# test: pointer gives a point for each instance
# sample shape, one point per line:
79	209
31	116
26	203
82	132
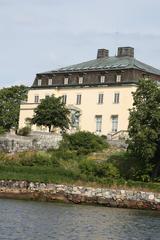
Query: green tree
144	129
10	99
52	112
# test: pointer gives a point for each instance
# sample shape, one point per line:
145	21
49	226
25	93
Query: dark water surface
27	220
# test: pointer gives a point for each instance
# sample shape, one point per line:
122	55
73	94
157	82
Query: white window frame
114	119
39	82
116	98
98	119
100	98
118	78
49	81
102	79
78	99
80	80
36	99
66	80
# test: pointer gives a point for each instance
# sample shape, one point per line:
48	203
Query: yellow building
98	92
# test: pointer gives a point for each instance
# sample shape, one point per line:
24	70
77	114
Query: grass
59	176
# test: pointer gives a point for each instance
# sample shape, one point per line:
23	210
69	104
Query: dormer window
118	78
39	82
50	81
66	80
102	79
80	81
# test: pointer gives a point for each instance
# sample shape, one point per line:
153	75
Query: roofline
85	70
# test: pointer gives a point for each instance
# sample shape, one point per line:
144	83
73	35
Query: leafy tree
10	99
144	129
52	112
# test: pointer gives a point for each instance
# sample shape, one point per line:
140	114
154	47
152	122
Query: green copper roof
109	63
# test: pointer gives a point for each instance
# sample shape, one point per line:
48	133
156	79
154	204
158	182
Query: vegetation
2	130
144	132
10	99
52	113
83	142
66	167
25	131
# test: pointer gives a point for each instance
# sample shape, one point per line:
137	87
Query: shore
80	195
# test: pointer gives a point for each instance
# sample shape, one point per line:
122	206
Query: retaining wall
35	141
80	195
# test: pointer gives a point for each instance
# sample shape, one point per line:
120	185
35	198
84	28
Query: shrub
98	170
83	142
2	130
25	131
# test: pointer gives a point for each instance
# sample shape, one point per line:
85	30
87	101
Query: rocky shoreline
79	195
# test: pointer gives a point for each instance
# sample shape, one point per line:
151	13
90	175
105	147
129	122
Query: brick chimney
102	53
125	52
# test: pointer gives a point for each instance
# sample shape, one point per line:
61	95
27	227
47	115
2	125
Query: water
27	220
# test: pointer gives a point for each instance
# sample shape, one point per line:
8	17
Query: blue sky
41	35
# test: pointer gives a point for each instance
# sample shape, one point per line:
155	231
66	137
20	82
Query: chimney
102	53
125	52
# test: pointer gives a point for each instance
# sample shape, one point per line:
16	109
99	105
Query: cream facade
103	110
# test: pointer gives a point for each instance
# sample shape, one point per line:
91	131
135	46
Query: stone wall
35	141
80	194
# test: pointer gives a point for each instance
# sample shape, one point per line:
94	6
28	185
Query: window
75	117
98	123
66	80
116	98
39	82
36	99
80	80
50	81
114	123
102	79
118	78
100	98
78	101
64	99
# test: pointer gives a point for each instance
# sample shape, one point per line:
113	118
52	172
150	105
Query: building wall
89	106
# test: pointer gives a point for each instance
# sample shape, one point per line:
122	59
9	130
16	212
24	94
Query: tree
144	129
10	99
52	112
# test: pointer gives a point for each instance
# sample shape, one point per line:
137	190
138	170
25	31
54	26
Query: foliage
2	130
53	167
25	131
83	142
144	130
10	99
52	112
100	170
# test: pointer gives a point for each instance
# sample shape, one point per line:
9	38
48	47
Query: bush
83	142
98	170
2	130
25	131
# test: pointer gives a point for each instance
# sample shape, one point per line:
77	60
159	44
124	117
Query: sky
42	35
